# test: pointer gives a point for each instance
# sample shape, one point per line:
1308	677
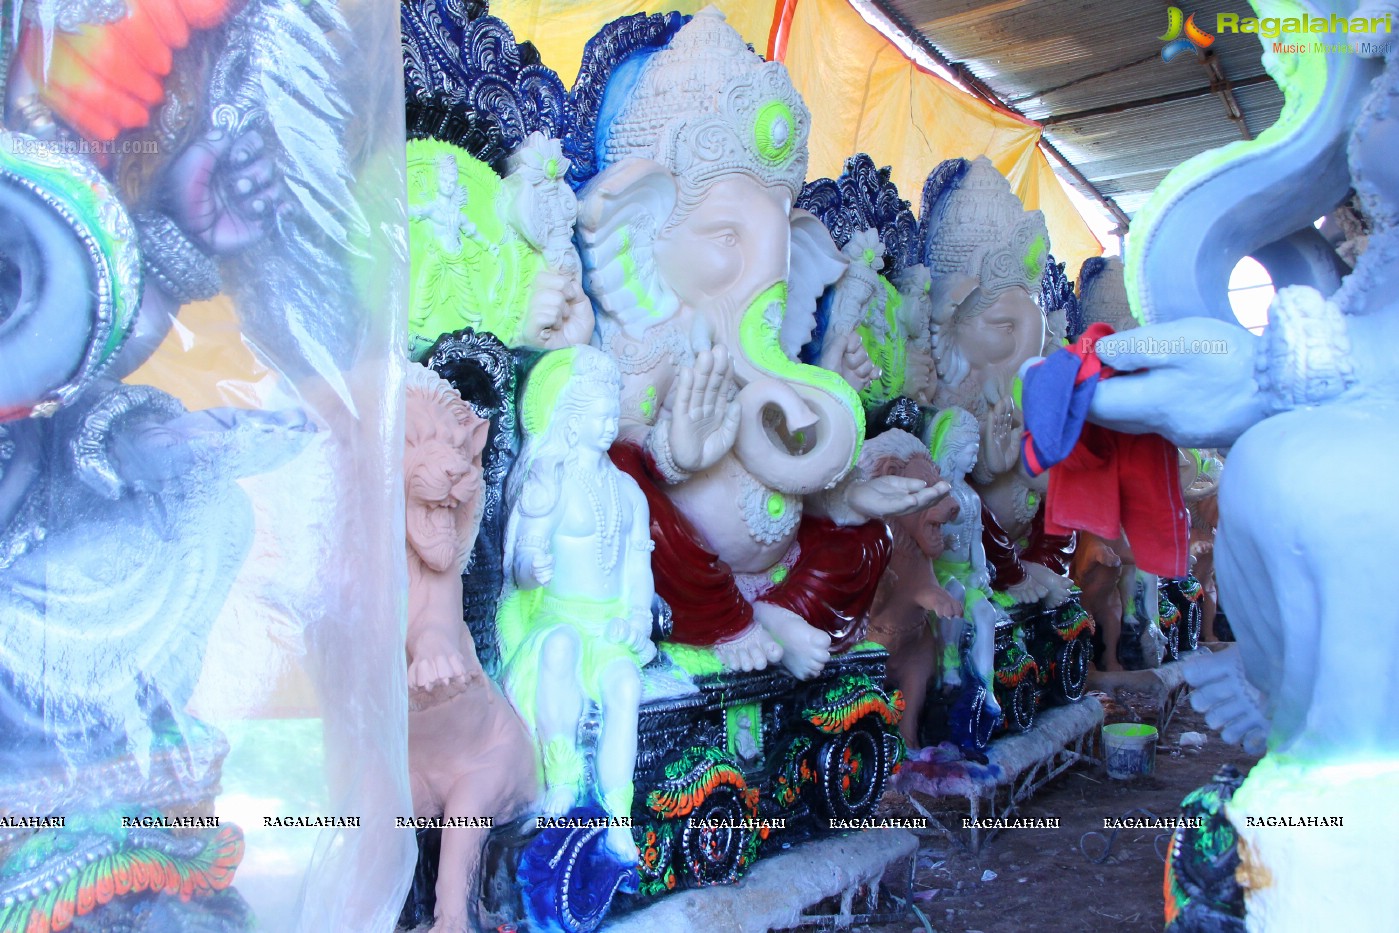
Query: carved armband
1304	356
658	446
532	543
179	266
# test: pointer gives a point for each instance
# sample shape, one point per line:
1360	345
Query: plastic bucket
1129	748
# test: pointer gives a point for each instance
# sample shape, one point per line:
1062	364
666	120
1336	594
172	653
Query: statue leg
1209	598
1306	569
1102	597
616	751
1304	565
983	653
558	708
459	865
910	670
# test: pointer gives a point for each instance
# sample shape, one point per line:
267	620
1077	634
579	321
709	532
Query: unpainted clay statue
961	568
987	254
1202	499
495	254
692	252
909	590
1313	676
575	625
470	757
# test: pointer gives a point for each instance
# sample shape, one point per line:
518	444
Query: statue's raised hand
225	191
889	496
1000	440
704	411
1189	380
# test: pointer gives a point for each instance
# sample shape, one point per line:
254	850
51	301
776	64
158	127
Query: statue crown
980	227
706	106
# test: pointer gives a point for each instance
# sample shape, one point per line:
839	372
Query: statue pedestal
780	889
1298	876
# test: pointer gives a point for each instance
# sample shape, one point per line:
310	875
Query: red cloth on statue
1115	484
833	582
705	604
831	585
1123	484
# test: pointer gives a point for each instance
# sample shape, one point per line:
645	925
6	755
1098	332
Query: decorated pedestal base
167	863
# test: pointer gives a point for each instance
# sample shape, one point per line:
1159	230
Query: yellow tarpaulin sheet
560	28
865	95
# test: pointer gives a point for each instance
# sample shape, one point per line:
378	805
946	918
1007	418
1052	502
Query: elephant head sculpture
987	256
705	280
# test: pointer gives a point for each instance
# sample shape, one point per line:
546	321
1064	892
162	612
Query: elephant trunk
801	426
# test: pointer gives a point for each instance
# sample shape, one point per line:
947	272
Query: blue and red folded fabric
1102	481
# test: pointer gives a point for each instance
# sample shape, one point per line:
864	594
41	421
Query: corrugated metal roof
1091	71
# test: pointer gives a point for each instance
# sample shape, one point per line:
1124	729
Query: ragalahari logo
1194	38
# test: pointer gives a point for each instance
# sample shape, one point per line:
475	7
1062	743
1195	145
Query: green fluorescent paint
758	336
772	145
488	282
776	505
631	280
1034	258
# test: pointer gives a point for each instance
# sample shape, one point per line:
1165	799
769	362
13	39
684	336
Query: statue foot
621	843
558	801
450	923
753	650
1230	703
805	650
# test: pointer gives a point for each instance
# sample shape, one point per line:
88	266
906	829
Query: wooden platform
833	883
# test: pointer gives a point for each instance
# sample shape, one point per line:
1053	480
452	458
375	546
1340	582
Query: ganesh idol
704	278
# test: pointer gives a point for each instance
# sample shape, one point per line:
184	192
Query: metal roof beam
1141	102
1220	84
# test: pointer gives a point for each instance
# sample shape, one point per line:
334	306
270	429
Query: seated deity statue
575	625
691	250
470	758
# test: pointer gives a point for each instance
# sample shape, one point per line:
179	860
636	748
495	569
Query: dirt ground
1070	880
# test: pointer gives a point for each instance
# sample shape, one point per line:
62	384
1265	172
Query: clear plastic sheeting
203	267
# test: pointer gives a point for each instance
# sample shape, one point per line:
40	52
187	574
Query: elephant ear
816	265
619	218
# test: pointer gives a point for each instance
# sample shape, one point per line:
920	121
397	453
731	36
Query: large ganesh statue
987	256
705	281
1312	679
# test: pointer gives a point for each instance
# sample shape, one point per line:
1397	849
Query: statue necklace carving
607	514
